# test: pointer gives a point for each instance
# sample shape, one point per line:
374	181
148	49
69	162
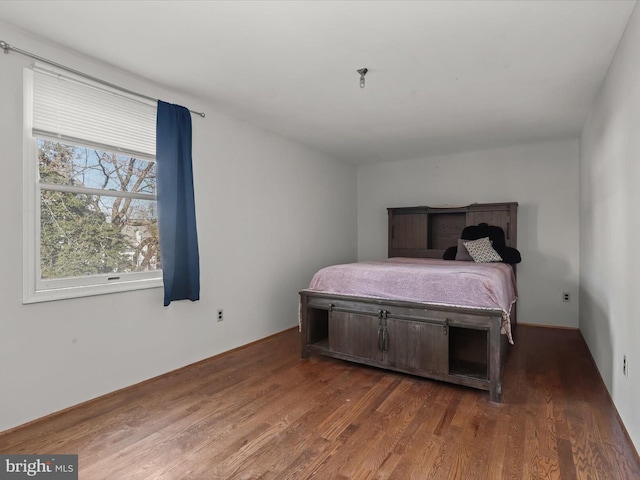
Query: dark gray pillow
462	253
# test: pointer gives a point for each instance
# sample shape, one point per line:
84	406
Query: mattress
481	286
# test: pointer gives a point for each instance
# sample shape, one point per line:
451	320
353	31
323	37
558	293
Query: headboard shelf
425	232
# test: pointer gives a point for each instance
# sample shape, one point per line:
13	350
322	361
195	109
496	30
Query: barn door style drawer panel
409	230
418	346
406	344
355	334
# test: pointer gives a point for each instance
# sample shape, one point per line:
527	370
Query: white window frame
35	289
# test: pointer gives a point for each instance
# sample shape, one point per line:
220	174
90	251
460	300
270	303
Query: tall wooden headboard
428	231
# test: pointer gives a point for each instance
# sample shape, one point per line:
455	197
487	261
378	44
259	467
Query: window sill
62	293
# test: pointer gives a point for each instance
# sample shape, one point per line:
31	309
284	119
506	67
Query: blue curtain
176	206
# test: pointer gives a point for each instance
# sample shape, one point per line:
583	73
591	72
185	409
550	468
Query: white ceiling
444	76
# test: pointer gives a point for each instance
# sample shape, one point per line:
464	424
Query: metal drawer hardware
382	330
353	311
432	321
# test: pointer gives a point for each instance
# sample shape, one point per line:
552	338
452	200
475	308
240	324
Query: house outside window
90	211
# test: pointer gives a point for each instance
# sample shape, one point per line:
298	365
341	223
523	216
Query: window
90	222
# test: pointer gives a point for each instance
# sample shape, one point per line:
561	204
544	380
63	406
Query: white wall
610	226
542	178
269	214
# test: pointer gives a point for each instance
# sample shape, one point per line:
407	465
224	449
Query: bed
418	314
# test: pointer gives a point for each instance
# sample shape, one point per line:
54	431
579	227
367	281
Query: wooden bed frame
456	345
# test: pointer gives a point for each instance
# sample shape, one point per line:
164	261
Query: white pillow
481	251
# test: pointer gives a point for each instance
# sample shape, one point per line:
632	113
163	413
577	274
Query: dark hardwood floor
262	412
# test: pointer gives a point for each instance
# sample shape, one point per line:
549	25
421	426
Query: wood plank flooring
261	412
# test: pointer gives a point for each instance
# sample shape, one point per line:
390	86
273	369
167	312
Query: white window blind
79	112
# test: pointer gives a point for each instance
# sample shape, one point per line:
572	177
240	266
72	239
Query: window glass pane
64	164
91	234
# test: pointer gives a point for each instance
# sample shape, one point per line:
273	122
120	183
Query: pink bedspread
484	286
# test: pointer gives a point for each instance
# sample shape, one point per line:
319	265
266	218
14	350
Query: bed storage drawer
355	335
412	346
381	335
418	346
456	345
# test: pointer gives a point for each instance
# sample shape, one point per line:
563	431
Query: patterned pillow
481	251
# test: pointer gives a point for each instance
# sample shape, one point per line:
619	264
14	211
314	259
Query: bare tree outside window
105	222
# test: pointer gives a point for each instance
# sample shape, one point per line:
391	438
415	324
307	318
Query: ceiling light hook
362	72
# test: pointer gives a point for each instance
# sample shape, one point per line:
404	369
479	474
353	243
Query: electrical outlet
220	316
625	369
566	297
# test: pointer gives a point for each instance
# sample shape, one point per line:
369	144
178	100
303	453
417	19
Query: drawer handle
382	338
382	330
